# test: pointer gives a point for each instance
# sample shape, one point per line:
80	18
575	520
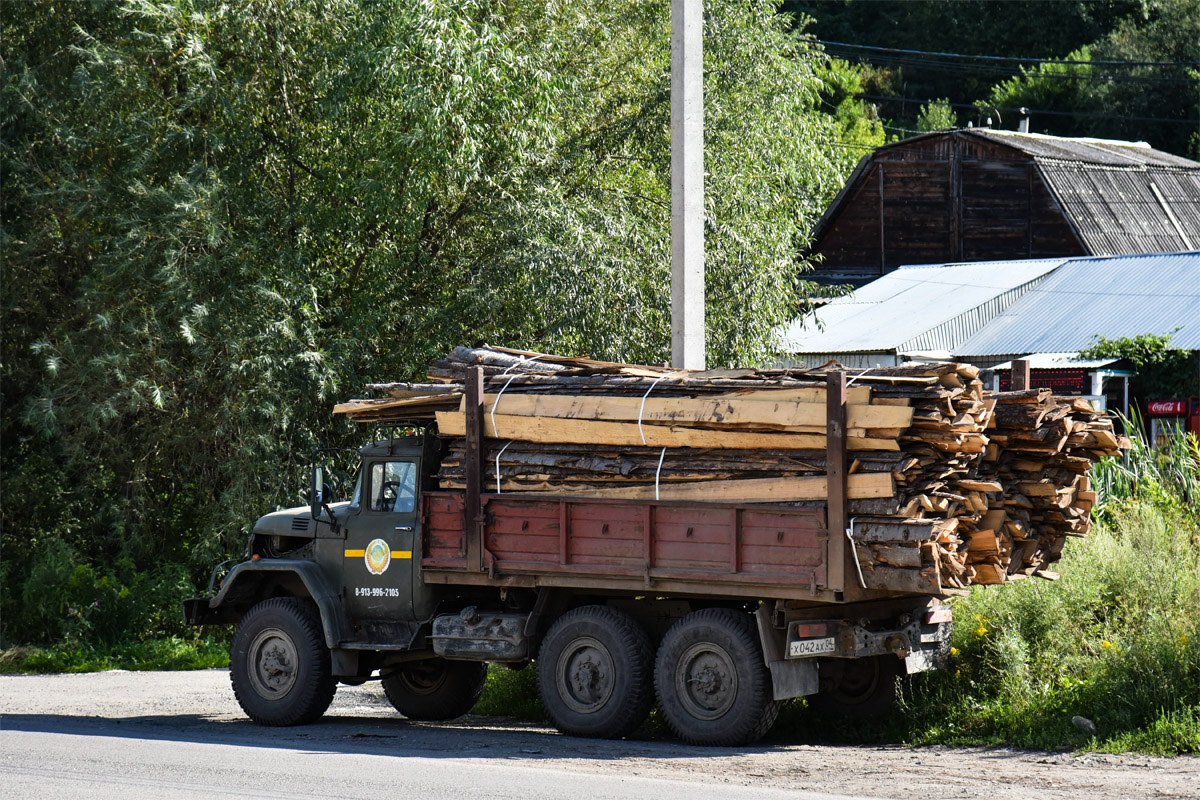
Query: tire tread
315	693
758	711
631	639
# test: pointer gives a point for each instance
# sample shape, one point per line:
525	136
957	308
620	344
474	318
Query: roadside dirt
199	706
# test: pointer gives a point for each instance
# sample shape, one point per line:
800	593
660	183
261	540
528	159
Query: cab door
377	566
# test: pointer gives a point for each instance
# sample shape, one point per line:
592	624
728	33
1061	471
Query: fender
252	581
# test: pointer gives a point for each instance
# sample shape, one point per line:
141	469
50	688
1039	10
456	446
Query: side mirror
318	492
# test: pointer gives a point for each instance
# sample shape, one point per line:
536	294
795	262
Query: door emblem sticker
377	556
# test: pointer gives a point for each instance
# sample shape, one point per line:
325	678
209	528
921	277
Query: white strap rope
643	408
854	549
496	432
511	367
502	449
850	382
658	471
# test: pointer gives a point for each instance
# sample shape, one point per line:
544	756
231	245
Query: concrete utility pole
687	184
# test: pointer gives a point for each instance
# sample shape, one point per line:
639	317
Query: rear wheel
279	665
712	683
435	689
594	673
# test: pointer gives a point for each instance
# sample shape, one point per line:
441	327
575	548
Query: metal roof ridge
1016	292
1115	256
1133	166
1079	139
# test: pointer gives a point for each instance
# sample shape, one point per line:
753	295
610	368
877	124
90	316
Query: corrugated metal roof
1122	296
1118	211
1111	152
928	307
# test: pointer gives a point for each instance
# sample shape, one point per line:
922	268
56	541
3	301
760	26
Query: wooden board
753	490
778	413
548	430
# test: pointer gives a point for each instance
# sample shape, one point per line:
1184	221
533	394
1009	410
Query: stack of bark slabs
929	484
1040	452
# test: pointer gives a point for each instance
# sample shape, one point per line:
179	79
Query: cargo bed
712	549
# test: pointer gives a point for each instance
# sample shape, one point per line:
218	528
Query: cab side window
394	486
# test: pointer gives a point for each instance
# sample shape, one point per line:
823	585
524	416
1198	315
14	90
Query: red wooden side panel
692	538
442	529
606	535
772	542
527	532
633	543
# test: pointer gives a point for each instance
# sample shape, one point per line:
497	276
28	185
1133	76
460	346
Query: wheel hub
709	681
273	663
706	681
585	675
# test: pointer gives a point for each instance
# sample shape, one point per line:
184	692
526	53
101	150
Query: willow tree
220	218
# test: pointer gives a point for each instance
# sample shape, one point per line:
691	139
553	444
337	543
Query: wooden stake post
473	507
1020	375
835	477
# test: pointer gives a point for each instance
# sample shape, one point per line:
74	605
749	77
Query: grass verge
1115	642
171	654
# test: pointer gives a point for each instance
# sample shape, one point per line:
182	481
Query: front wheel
435	689
712	683
279	665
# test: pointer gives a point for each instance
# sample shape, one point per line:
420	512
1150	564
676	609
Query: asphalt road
181	735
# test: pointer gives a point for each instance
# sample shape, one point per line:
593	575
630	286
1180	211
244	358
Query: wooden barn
986	195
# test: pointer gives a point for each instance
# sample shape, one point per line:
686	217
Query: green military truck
716	612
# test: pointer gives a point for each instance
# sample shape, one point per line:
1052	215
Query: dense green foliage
218	219
1163	372
1150	103
1116	640
1157	103
937	116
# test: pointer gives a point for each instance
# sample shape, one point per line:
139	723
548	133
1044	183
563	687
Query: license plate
812	647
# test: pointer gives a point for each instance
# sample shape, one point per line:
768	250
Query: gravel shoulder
199	707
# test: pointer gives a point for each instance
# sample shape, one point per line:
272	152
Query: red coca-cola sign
1166	408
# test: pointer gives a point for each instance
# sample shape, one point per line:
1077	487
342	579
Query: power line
1046	111
1014	59
988	70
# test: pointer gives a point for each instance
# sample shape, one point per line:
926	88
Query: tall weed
1168	476
1116	640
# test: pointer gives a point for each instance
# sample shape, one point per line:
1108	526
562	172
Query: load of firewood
948	485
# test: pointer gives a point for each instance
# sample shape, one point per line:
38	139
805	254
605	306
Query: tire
860	688
713	685
594	673
435	689
279	665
